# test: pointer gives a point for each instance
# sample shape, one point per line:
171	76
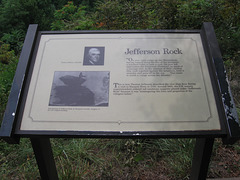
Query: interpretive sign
162	83
120	82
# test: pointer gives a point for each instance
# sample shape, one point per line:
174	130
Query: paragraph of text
158	67
134	88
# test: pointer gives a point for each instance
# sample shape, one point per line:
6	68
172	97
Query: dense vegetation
124	155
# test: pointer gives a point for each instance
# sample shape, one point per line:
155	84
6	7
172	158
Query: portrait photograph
93	56
80	88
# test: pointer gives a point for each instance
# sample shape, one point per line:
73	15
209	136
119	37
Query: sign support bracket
201	158
44	156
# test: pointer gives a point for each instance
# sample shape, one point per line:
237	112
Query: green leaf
138	158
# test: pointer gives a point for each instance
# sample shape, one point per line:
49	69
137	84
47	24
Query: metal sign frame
10	129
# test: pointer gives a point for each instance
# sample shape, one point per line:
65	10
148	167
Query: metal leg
201	158
44	156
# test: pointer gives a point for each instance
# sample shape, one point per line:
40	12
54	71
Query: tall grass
99	158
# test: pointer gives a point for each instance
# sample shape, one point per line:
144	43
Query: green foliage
15	39
58	4
90	4
157	14
134	152
10	14
8	63
162	14
193	14
228	34
71	17
121	15
18	14
6	55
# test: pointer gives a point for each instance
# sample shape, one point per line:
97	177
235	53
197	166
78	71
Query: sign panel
120	82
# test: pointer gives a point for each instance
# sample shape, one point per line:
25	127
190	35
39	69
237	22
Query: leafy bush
124	15
18	14
8	63
14	39
71	17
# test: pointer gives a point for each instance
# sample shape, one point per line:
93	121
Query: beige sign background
145	82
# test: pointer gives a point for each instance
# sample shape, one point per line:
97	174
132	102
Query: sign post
144	84
201	158
44	156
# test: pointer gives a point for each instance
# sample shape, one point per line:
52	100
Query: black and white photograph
80	88
93	56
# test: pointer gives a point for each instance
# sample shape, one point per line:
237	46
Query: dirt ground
225	163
